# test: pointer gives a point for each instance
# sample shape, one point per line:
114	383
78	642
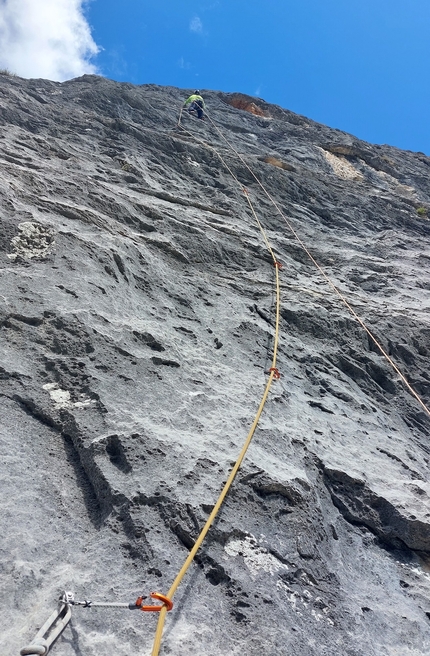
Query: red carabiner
276	373
168	603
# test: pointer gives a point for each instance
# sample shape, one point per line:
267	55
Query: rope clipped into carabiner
274	374
57	622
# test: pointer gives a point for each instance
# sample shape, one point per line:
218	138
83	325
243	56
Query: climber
196	104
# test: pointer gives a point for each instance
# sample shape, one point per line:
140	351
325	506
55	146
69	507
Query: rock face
136	314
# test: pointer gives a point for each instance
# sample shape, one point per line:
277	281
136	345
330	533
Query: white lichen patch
193	162
341	167
303	602
62	398
34	240
320	617
256	558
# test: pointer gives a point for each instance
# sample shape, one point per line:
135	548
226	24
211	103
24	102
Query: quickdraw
57	622
276	373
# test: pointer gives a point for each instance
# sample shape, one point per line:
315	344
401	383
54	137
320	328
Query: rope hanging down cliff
59	619
273	374
273	371
320	269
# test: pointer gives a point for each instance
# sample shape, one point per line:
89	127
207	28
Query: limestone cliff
136	315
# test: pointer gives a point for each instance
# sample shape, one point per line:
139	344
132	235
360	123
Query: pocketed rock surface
136	315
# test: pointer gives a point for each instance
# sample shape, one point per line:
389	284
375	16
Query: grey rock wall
136	316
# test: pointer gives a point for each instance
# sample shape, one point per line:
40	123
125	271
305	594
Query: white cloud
196	25
45	38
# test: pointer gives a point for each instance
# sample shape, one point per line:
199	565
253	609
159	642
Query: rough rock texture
136	316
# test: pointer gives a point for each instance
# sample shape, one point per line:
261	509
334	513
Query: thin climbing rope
273	375
273	371
56	623
324	274
311	257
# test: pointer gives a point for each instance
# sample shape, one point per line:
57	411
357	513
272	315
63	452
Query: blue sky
359	65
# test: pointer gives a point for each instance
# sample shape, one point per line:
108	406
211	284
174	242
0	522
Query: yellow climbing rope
273	374
273	370
324	274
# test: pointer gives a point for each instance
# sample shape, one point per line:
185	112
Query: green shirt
192	98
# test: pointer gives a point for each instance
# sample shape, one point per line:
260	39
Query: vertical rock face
136	316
